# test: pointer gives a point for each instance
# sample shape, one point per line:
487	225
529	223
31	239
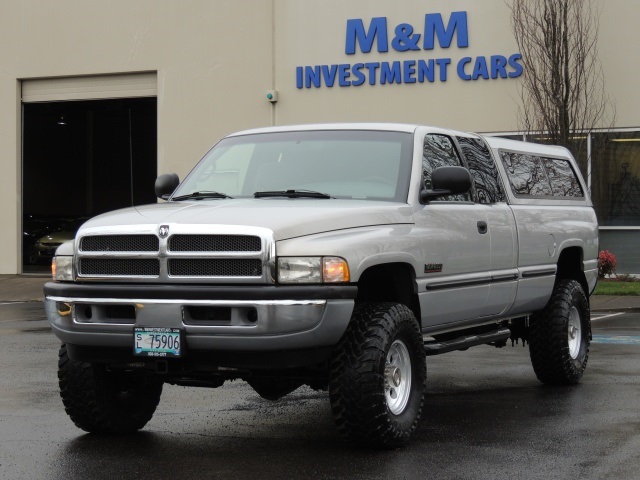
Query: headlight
62	269
312	270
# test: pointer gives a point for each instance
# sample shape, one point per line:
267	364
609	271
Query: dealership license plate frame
145	338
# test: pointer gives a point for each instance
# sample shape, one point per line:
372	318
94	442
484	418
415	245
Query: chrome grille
120	243
193	254
215	267
214	243
120	267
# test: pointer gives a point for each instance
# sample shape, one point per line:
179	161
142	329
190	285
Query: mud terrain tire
560	335
100	401
378	375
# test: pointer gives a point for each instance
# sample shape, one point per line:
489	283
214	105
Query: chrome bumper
248	325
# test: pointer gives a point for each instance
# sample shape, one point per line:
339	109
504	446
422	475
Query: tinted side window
562	178
530	175
526	174
483	169
438	151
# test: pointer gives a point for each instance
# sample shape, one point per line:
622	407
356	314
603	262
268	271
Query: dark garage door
80	159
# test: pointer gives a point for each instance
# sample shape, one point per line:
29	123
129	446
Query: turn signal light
335	269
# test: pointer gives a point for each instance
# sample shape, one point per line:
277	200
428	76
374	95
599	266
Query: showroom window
615	179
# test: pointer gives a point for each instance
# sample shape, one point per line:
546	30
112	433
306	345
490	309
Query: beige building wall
619	44
313	33
216	59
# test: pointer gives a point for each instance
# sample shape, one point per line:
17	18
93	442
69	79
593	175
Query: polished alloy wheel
397	377
574	332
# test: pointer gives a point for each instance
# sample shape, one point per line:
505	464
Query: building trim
94	87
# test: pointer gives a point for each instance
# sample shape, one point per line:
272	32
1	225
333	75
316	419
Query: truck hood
286	218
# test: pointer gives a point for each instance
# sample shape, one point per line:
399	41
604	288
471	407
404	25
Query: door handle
482	227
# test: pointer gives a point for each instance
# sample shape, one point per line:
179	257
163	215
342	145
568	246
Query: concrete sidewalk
28	288
22	288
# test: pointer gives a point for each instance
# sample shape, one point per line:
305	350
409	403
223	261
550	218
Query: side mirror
447	181
166	184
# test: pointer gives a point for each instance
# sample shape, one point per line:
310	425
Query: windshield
338	164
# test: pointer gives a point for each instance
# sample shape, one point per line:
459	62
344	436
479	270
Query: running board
435	348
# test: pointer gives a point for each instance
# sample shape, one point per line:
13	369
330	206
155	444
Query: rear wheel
378	376
101	401
559	335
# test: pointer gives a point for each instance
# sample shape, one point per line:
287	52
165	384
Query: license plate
157	342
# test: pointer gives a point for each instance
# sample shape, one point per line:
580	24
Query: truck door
501	227
456	247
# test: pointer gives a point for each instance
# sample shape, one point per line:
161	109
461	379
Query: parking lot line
600	316
617	339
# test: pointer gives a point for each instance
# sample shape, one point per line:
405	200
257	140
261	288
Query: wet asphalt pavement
486	417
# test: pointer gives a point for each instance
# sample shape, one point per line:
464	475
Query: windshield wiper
292	194
201	195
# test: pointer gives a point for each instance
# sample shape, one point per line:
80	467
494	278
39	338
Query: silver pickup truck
336	256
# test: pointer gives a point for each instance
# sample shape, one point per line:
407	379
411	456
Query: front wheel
378	375
100	401
560	335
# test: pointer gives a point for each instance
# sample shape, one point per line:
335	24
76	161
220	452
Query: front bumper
213	318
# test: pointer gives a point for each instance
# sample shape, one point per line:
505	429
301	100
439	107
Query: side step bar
435	348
